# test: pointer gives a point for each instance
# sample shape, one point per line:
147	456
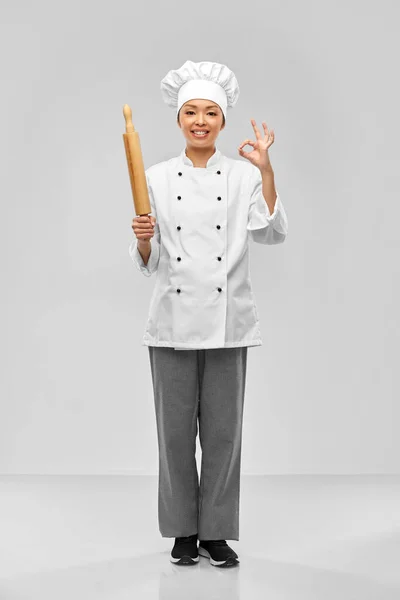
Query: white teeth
200	132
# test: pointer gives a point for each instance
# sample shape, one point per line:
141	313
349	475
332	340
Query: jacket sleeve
152	263
263	227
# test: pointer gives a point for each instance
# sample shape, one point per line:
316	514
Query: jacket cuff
262	218
152	263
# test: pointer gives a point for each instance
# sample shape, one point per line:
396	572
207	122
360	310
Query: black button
178	290
219	172
179	258
178	227
179	197
218	226
179	173
219	258
219	289
219	198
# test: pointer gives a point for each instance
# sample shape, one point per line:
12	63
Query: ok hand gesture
259	156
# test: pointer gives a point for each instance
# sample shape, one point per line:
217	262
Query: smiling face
201	115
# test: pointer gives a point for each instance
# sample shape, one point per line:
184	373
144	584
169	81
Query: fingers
144	221
269	135
250	142
144	235
258	134
242	152
143	227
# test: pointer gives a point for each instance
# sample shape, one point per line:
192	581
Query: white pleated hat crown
207	80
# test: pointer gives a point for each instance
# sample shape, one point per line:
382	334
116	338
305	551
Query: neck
199	156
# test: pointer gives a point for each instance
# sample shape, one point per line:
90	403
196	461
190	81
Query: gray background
322	392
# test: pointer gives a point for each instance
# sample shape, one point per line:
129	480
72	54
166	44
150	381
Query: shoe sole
184	560
229	562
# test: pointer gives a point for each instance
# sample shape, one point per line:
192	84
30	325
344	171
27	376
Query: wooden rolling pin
136	170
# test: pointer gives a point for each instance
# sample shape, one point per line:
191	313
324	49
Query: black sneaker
185	550
219	553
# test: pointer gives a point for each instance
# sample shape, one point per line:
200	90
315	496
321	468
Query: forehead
199	104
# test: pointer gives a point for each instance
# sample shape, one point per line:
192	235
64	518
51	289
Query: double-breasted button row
179	258
180	198
179	291
180	174
179	228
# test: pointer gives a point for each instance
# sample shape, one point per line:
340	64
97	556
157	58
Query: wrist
267	170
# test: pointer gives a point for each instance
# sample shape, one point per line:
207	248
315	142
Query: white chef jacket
203	296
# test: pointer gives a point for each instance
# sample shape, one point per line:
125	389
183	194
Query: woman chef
205	207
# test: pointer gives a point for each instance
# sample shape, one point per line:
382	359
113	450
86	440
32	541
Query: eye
210	112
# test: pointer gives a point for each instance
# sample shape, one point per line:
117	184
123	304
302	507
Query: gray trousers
205	387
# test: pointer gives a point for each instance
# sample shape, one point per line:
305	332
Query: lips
200	136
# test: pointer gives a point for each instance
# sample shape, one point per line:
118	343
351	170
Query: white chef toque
205	80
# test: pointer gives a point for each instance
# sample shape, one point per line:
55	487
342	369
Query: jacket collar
212	161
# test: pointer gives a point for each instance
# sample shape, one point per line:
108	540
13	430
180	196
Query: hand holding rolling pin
143	227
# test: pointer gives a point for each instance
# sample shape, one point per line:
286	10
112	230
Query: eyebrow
209	106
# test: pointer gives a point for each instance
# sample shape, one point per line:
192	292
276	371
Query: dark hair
223	117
